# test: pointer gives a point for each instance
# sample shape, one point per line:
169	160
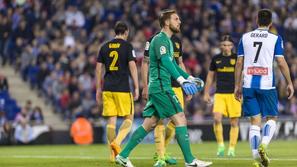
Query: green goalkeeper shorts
162	105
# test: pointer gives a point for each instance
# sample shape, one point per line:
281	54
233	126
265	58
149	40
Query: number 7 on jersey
258	50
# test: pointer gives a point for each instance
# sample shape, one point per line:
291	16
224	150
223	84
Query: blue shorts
257	101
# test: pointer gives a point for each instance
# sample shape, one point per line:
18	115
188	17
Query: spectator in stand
3	118
191	63
4	35
93	114
47	87
88	102
85	82
73	17
27	59
41	75
6	134
64	100
57	90
3	83
36	117
75	106
22	116
23	133
28	106
73	85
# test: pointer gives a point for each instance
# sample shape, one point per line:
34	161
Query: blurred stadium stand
52	45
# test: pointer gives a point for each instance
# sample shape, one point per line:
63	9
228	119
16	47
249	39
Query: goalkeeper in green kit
162	102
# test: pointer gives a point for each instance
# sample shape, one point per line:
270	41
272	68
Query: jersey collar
165	34
263	29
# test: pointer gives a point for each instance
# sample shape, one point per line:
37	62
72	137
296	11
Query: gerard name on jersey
258	35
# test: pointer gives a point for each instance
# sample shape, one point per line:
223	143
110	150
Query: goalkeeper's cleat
231	152
198	163
160	163
124	162
115	147
221	151
257	164
263	155
170	160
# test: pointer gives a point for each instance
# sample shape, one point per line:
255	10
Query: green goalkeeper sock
182	138
136	138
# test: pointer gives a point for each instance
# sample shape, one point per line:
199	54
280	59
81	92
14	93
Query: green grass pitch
282	153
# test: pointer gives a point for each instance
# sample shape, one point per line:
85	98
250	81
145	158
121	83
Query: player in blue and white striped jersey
257	51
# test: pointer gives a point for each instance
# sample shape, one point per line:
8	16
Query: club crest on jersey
257	71
162	50
232	61
177	45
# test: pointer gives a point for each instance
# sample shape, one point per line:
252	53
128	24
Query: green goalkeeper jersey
162	64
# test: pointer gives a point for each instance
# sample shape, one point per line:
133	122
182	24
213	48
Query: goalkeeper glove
188	86
199	82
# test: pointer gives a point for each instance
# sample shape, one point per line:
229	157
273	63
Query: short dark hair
165	15
264	17
226	38
120	28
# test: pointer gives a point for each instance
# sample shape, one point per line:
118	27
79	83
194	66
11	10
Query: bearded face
174	24
174	29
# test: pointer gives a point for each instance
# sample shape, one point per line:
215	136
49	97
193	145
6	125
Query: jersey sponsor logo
147	45
232	61
226	69
114	45
257	71
162	50
177	45
176	54
218	62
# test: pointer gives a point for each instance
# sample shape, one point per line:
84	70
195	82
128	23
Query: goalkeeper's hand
199	82
188	86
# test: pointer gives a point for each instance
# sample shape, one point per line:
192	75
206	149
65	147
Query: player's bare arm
133	71
144	75
283	66
99	67
209	81
238	75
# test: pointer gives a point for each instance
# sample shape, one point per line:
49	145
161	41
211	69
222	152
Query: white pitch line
136	158
48	157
